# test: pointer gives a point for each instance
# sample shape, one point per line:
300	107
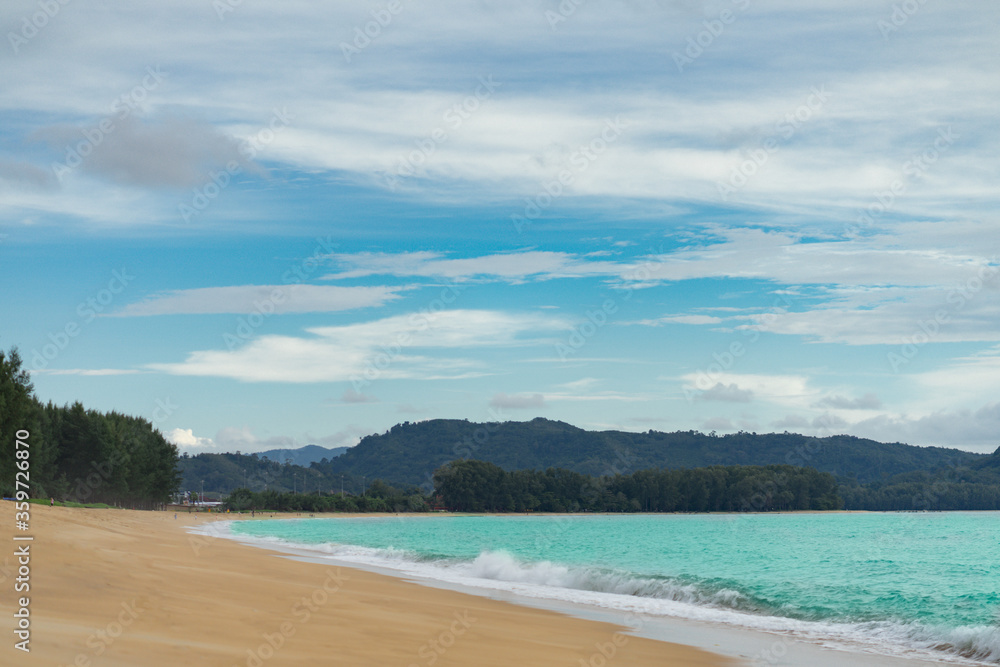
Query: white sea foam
500	571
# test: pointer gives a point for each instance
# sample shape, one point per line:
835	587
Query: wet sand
120	587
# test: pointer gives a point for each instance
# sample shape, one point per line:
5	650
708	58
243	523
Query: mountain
222	473
303	456
408	453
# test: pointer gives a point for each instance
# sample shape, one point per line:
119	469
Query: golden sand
119	587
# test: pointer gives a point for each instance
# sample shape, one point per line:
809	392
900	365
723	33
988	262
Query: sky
264	225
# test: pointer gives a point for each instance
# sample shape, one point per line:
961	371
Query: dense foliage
303	456
379	497
410	453
972	487
224	473
78	454
477	486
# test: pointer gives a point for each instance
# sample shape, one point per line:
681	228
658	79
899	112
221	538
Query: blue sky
259	226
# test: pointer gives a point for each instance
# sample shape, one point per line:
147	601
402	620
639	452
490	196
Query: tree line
973	487
478	486
81	455
379	497
409	453
224	473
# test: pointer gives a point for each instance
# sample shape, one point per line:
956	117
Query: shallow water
911	584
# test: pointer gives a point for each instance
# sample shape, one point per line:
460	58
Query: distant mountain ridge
871	475
408	453
303	456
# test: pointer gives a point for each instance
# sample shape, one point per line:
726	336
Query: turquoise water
901	583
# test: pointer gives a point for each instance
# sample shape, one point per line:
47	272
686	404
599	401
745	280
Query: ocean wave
502	566
661	596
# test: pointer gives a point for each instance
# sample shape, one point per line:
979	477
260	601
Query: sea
922	586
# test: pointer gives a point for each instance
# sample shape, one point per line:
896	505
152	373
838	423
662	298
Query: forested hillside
972	487
410	453
222	473
478	486
78	454
303	456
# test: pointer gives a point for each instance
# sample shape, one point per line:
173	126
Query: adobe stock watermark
436	647
203	196
264	308
31	25
565	9
579	161
299	614
913	169
453	119
901	13
87	311
771	655
605	652
552	532
365	35
468	446
598	318
103	638
703	40
784	130
223	7
927	330
122	108
423	320
723	361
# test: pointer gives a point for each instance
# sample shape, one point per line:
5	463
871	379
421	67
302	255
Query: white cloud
730	393
518	401
352	396
582	383
244	440
867	402
370	350
92	372
187	441
512	267
960	382
970	429
681	141
718	424
781	390
791	422
264	299
692	319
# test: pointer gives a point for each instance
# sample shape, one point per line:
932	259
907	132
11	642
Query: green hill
409	453
223	473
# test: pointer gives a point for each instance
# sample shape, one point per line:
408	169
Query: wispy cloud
730	393
511	267
867	402
87	372
518	401
779	390
268	299
341	353
352	396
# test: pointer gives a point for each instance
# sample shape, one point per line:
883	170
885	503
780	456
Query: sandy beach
119	587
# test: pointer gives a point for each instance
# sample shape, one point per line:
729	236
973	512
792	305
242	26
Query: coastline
743	645
124	588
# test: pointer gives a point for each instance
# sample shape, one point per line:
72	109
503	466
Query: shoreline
124	588
744	645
